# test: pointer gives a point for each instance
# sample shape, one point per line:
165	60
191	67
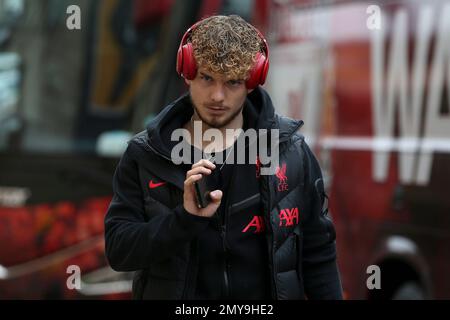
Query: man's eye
235	82
206	78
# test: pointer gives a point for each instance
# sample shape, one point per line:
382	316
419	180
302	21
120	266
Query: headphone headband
188	32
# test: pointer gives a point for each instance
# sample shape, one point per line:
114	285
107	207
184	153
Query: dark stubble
216	124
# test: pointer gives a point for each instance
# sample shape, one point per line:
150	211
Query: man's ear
188	82
249	91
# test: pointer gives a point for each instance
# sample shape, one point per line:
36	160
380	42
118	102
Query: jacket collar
259	111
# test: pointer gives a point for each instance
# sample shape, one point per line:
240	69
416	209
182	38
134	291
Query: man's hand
203	167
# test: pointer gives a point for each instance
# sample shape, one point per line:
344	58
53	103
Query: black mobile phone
204	187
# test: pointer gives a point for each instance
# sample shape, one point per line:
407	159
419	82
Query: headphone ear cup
179	65
189	65
265	71
258	73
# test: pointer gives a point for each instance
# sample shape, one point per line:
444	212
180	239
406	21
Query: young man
262	236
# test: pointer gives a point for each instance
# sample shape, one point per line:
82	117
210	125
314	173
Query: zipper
223	231
225	269
245	203
189	271
271	241
272	254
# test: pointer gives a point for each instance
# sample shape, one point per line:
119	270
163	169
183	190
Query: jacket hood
258	111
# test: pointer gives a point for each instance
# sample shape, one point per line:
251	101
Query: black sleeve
132	239
320	270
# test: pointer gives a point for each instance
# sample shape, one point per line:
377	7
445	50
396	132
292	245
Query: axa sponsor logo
256	225
289	217
282	178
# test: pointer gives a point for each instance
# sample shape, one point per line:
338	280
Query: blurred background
371	80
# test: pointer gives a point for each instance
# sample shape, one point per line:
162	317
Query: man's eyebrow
237	80
205	75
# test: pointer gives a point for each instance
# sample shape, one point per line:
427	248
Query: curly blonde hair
226	45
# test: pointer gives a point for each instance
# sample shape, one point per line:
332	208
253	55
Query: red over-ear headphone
187	67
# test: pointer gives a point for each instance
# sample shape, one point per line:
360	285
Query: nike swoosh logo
154	185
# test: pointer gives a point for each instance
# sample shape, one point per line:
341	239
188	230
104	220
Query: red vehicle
371	81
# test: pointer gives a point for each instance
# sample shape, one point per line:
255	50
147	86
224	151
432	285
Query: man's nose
218	94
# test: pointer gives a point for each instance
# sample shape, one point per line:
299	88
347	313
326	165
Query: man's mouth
214	109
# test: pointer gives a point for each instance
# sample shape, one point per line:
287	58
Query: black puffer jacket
147	229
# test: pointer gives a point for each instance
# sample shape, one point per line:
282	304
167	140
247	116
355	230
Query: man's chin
215	121
217	124
219	120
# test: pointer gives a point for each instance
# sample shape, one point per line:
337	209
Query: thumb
216	195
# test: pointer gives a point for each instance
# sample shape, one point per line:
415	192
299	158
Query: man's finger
198	170
204	163
189	181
